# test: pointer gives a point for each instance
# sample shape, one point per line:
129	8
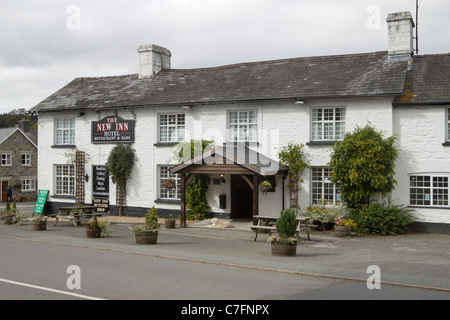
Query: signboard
112	129
100	179
40	201
101	205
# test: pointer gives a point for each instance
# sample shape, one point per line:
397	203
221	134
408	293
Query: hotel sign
112	129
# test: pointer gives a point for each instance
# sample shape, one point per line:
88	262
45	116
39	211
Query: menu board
40	201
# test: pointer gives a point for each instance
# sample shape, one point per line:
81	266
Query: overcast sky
44	44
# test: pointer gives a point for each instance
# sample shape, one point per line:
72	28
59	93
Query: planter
342	231
93	232
39	225
286	249
7	220
146	237
170	224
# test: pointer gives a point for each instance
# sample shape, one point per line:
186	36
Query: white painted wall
280	122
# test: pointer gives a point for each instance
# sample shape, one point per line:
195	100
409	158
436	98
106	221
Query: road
40	271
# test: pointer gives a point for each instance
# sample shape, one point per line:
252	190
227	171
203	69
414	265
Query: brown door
4	188
241	198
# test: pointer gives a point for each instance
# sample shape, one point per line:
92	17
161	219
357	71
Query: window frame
162	191
322	122
323	182
27	158
430	199
7	162
70	130
230	132
27	182
69	178
177	126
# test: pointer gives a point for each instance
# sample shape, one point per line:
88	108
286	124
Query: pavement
416	260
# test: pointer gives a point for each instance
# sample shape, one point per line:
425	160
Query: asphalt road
40	271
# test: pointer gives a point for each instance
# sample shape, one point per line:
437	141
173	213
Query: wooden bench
75	213
268	223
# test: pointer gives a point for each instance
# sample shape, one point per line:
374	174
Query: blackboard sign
112	129
101	205
40	201
100	186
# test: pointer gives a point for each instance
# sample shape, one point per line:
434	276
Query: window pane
163	119
317	131
242	117
233	117
252	117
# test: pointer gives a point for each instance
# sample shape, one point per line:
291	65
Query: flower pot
93	232
7	220
39	225
282	248
170	224
146	237
342	231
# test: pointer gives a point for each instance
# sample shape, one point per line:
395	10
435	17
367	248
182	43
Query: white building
311	101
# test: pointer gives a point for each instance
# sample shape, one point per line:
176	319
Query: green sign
40	201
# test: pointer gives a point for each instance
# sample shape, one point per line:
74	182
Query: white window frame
65	131
324	121
64	180
328	192
26	159
240	128
28	184
163	175
6	159
447	126
175	130
429	190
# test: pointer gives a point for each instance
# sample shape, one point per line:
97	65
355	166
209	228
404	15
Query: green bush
287	224
382	219
325	216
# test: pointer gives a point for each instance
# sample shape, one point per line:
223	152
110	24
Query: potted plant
39	223
93	229
148	233
170	223
285	242
343	227
265	186
8	214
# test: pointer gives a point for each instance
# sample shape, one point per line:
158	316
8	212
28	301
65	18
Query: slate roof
353	75
428	82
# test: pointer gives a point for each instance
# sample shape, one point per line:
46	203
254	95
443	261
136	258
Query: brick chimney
401	34
152	59
24	125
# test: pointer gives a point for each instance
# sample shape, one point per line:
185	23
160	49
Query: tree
120	165
362	165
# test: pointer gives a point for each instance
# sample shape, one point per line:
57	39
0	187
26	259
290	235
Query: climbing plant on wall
120	164
293	156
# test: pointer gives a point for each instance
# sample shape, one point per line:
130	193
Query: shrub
287	224
383	219
325	215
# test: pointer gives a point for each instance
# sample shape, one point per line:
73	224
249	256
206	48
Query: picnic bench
268	223
75	213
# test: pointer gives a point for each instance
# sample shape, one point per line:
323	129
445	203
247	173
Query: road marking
49	289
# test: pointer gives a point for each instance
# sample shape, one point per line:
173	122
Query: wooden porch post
183	201
255	195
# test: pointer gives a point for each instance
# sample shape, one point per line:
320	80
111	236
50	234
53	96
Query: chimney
24	125
152	59
401	34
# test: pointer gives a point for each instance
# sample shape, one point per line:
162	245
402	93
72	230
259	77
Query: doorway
4	185
241	198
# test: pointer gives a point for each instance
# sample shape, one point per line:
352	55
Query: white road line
49	289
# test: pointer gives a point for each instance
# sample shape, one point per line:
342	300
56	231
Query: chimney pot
152	59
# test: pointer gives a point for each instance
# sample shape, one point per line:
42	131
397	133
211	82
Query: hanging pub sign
112	129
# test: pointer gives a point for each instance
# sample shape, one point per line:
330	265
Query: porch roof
234	158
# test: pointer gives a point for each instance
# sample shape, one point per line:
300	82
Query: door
5	185
241	198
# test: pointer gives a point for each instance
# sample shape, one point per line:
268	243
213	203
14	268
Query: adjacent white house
258	107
